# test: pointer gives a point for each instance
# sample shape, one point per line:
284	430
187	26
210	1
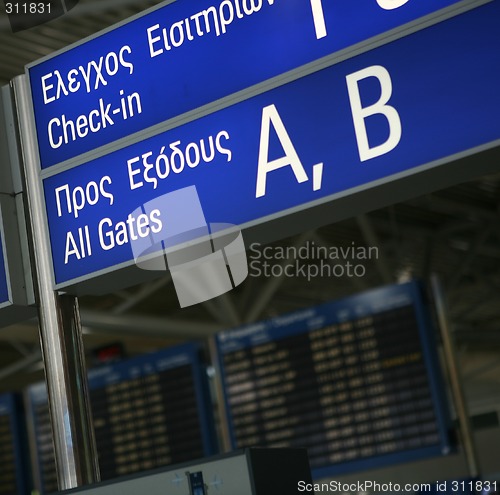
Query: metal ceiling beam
212	309
273	284
481	370
20	347
98	6
484	299
250	289
223	310
92	8
143	293
451	207
20	365
136	325
427	261
472	336
371	239
468	259
228	309
356	282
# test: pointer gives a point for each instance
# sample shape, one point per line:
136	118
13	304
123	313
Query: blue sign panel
13	447
369	392
16	296
186	54
370	118
4	287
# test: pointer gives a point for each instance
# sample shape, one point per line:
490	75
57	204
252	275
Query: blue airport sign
4	285
398	111
16	294
183	55
16	291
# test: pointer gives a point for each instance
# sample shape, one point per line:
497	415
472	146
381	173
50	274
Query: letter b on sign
25	15
380	107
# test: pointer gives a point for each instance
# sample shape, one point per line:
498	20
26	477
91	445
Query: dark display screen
12	463
148	412
354	381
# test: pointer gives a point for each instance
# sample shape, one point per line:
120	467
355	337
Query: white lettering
68	201
128	230
54	144
212	19
61	130
318	18
391	4
106	240
60	85
46	87
82	126
152	41
79	197
270	115
360	113
93	126
71	248
87	77
132	172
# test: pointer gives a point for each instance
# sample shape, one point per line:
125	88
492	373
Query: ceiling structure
454	233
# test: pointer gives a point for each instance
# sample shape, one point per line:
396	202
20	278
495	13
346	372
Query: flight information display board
355	381
13	474
148	412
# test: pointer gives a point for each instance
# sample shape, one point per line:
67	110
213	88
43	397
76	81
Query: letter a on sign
270	116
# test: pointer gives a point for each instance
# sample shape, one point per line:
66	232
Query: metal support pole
456	384
60	327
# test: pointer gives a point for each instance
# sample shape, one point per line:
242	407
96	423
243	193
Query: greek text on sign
186	54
